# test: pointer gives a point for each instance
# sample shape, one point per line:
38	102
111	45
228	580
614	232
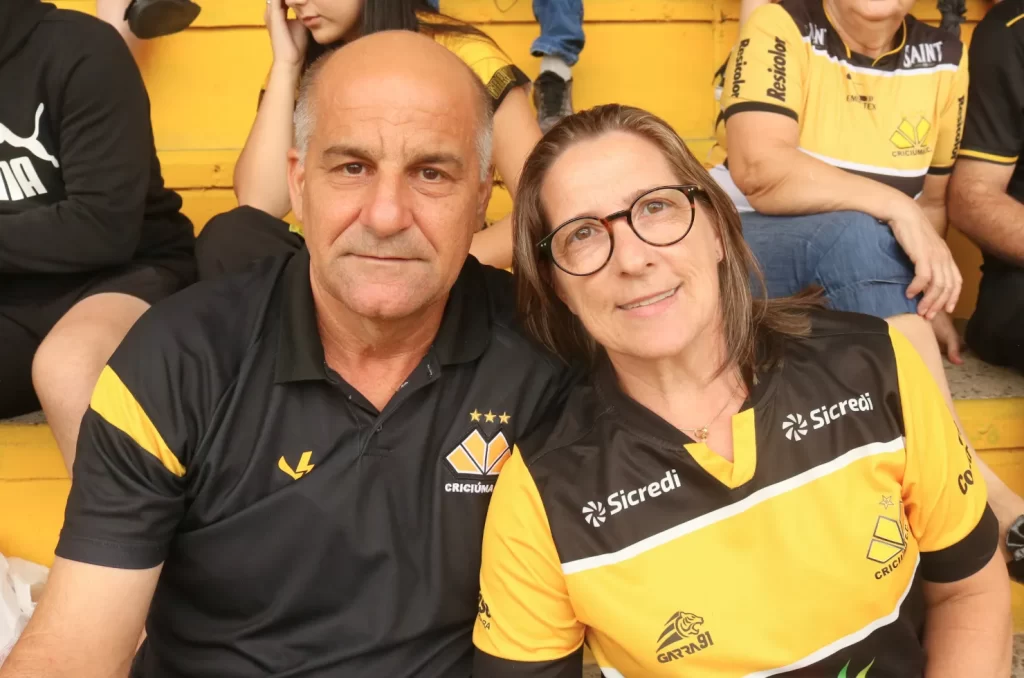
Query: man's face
390	192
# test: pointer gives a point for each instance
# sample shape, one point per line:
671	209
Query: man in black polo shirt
986	198
289	470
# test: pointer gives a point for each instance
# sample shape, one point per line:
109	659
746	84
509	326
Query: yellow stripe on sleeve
1014	20
991	157
114	402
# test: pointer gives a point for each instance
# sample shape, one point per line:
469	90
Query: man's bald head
399	60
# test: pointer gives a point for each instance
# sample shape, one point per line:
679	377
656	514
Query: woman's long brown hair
752	324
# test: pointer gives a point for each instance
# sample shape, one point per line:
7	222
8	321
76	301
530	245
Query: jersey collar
887	61
463	336
640	419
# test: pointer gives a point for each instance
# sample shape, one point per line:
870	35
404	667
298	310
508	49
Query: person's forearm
970	633
37	657
936	214
68	237
788	181
493	245
993	219
261	173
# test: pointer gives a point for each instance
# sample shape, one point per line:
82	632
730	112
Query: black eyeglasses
660	217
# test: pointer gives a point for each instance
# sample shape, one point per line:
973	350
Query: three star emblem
489	418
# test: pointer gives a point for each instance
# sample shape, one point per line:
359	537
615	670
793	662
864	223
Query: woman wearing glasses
744	487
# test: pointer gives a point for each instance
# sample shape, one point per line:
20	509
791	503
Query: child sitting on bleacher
256	228
89	236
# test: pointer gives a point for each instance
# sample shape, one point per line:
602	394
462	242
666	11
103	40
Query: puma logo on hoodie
80	182
18	176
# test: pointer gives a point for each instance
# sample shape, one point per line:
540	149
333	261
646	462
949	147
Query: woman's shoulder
842	342
826	324
556	446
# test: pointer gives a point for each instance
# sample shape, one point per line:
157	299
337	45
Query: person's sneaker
155	18
553	98
953	14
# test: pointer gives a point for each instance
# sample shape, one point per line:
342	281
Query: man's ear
296	181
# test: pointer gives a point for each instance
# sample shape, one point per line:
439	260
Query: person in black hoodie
89	235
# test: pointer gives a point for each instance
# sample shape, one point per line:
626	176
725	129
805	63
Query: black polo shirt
303	533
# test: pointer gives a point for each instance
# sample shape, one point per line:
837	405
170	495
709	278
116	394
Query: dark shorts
31	305
996	330
231	241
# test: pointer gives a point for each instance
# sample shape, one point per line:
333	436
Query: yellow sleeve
944	494
525	614
767	68
952	117
485	58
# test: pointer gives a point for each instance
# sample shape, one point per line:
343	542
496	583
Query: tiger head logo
680	625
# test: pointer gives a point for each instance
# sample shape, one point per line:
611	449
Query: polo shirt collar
300	353
463	336
465	330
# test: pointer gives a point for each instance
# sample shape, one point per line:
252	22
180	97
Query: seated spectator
89	236
987	188
696	501
286	472
843	120
256	229
891	85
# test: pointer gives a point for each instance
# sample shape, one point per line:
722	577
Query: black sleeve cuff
504	80
110	554
489	666
965	557
940	171
759	106
973	153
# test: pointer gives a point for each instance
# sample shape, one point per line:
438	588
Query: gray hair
304	119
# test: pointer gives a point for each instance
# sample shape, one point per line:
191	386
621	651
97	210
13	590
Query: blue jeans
853	256
561	28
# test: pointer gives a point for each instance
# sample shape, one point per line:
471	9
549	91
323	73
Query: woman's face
329	20
647	302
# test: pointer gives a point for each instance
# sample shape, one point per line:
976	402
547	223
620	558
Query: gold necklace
701	434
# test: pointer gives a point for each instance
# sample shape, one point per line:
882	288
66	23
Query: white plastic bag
21	582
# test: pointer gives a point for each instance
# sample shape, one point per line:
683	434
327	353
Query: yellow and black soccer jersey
893	119
995	117
850	488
